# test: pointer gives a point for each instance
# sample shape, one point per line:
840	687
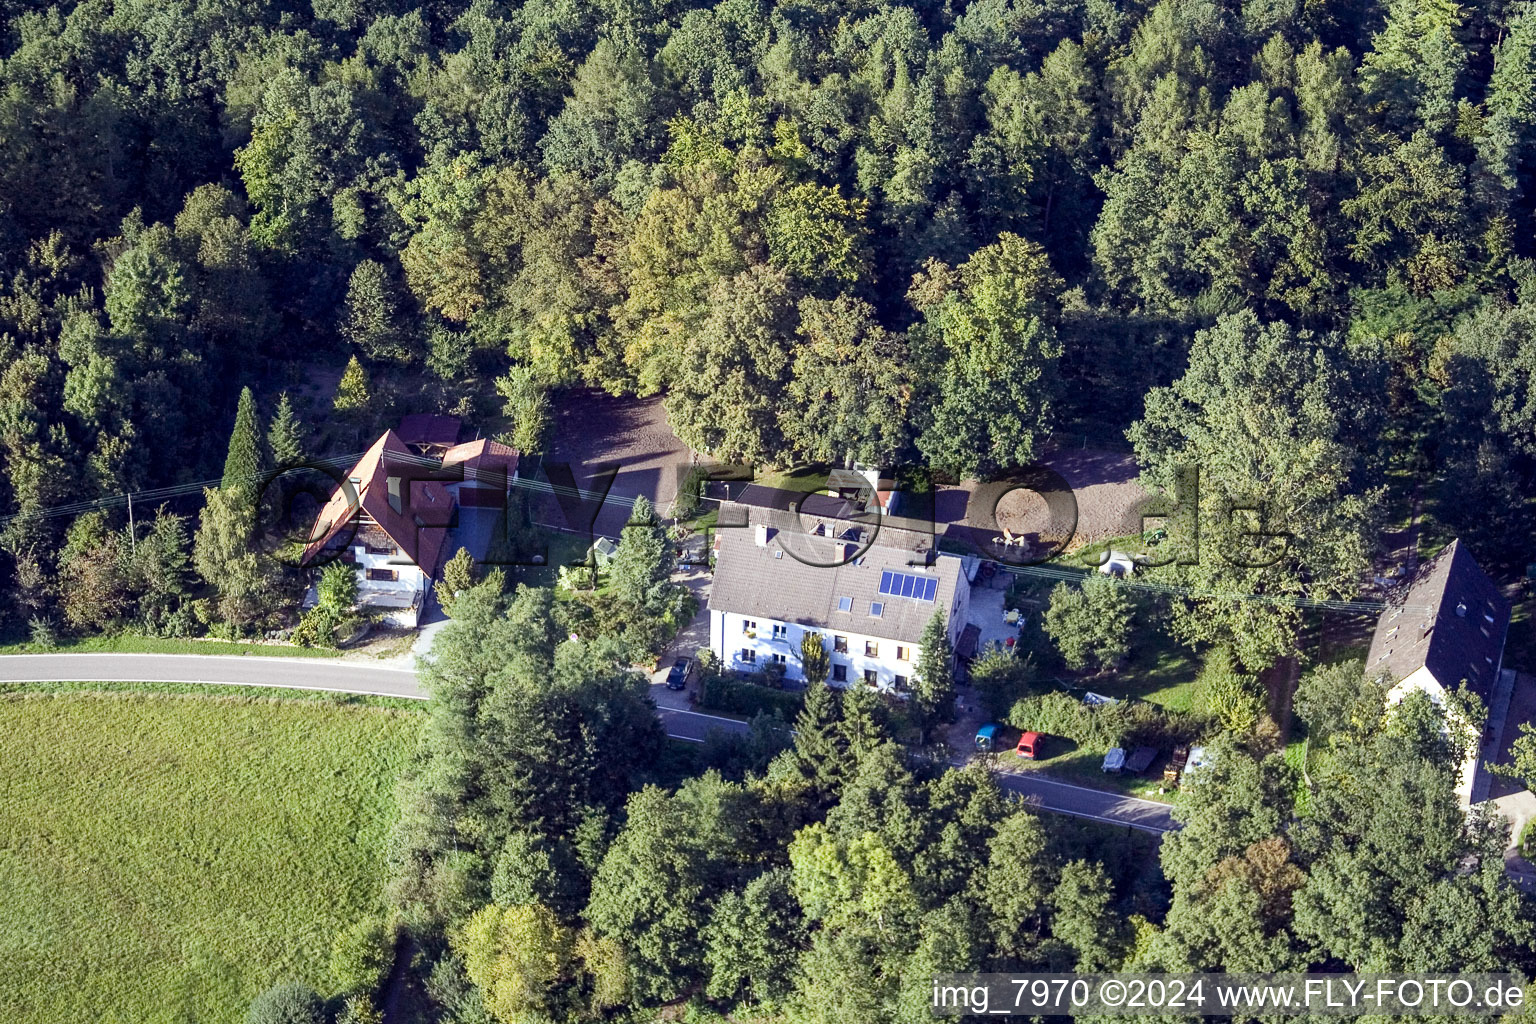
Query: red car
1029	745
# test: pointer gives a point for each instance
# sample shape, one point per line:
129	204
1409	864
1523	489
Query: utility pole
133	540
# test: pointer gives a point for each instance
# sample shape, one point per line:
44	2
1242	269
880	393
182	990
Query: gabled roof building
1445	628
1443	631
867	589
392	518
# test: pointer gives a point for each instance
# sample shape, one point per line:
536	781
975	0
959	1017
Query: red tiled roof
419	526
484	461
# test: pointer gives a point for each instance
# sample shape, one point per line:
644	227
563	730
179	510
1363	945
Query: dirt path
1280	683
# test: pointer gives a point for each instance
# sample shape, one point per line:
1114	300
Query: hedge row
1100	727
718	693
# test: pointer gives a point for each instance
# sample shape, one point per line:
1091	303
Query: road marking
327	662
224	682
700	714
1047	780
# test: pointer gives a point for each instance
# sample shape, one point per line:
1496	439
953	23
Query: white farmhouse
1443	631
869	590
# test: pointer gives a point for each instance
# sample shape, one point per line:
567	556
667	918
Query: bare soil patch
594	430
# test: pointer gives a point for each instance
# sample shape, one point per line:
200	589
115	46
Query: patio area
987	614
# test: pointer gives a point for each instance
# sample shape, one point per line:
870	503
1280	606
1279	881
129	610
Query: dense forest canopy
907	234
1290	243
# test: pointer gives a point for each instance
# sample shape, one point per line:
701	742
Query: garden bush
288	1002
362	955
719	693
1100	727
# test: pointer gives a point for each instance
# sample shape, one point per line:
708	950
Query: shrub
1098	728
44	635
317	628
1226	693
359	1010
1000	679
362	955
337	589
686	504
288	1002
719	693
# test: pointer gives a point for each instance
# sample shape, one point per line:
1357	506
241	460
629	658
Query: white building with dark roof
869	590
1443	631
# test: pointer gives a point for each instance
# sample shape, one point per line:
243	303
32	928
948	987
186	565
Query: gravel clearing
1108	494
593	427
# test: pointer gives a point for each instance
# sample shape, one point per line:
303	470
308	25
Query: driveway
689	640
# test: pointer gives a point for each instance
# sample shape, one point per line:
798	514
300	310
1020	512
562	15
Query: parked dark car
677	678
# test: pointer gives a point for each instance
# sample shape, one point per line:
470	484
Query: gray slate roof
769	582
1450	618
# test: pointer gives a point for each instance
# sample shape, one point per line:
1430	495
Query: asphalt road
340	676
1094	804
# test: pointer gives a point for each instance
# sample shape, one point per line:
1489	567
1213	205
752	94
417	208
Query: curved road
339	676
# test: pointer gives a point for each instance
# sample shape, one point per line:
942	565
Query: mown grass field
165	857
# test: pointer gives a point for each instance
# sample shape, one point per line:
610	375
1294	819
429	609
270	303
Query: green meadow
164	857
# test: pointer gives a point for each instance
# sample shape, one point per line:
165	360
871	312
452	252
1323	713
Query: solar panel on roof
902	584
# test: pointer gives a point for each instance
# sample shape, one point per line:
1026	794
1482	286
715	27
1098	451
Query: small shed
603	550
1141	759
969	644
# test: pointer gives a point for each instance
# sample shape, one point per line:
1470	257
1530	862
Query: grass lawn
1520	647
1159	668
1298	754
129	643
167	857
808	478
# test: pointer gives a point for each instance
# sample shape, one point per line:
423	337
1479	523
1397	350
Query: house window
870	677
845	604
840	644
780	631
876	609
748	626
901	682
901	653
748	656
839	673
779	659
383	574
871	649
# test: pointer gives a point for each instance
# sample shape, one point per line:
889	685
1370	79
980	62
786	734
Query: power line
156	494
